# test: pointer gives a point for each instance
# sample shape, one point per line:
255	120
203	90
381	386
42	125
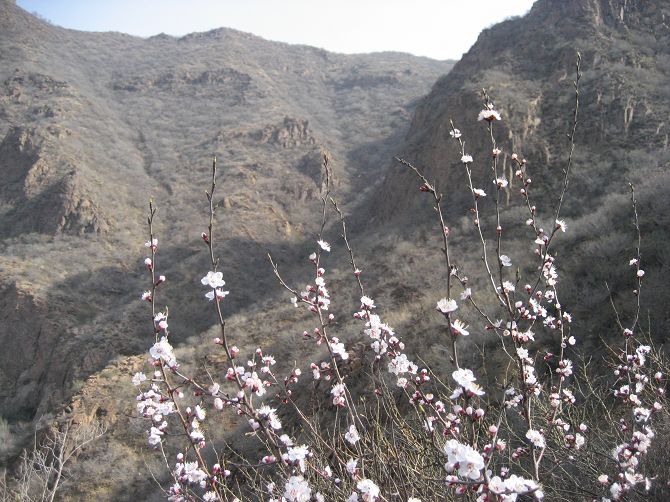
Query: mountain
527	66
93	124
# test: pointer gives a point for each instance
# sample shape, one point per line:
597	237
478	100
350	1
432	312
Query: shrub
536	421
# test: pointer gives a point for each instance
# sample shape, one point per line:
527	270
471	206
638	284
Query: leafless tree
43	467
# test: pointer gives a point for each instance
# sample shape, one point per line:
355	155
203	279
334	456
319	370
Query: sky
440	29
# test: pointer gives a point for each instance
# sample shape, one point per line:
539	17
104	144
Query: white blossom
470	462
466	379
162	350
213	280
367	303
369	490
352	436
297	490
446	305
138	378
218	292
489	114
296	455
338	348
536	438
459	328
155	436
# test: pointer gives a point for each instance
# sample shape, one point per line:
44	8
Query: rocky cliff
527	65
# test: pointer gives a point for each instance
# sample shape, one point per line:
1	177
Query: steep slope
527	66
92	124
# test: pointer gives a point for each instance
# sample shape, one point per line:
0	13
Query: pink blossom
338	391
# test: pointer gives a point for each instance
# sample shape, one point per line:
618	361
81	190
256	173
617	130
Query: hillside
527	65
93	124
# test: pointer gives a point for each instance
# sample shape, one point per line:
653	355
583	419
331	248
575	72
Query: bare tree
43	467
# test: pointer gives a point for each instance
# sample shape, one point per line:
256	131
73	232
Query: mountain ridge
539	77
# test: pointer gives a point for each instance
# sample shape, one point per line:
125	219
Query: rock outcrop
528	65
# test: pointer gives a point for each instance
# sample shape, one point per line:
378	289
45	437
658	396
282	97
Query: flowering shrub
549	427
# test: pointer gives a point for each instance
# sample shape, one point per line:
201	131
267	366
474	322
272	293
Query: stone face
527	66
289	133
23	329
42	189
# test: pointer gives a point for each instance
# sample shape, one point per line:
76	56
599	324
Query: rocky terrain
93	124
527	65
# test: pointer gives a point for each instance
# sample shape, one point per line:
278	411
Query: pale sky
441	29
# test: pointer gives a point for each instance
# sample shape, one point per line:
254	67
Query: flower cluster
529	424
215	281
466	381
638	390
464	460
510	488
